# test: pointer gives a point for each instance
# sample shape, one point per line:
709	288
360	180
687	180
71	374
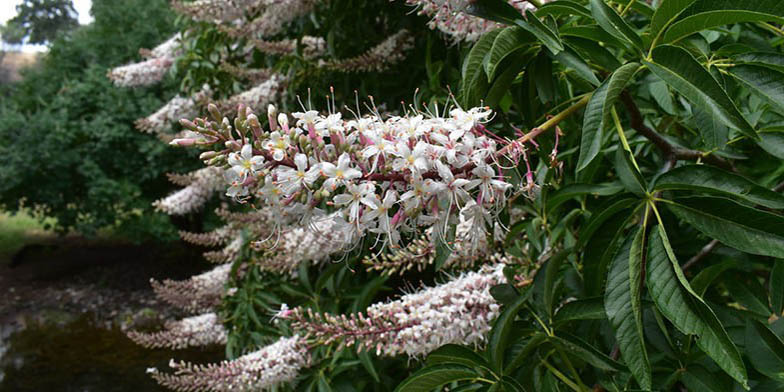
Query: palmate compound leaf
679	69
622	305
673	296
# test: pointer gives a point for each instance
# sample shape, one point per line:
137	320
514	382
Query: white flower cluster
458	312
198	293
216	11
266	368
202	330
150	71
178	107
205	183
378	58
275	16
314	243
260	95
449	17
172	47
384	177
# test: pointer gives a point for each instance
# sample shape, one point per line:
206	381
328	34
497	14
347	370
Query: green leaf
745	289
661	94
770	60
475	82
563	7
777	287
581	309
597	219
573	61
713	132
543	79
596	53
709	179
735	225
763	81
630	177
599	250
505	43
503	12
500	86
697	378
571	191
452	353
612	23
765	350
436	376
706	14
499	335
593	33
367	363
581	349
686	75
772	143
545	34
667	12
551	275
525	353
597	113
705	278
622	305
688	312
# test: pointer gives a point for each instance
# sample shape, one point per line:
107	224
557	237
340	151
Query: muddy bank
65	304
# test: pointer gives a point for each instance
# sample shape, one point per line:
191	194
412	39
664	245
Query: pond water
76	355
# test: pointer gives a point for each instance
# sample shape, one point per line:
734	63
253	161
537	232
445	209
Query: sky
8	11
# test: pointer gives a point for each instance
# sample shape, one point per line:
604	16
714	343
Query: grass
18	230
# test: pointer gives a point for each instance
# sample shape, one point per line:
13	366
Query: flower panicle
199	293
273	365
457	312
382	177
191	198
196	331
378	58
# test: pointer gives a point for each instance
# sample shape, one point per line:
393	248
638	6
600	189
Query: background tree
40	21
70	147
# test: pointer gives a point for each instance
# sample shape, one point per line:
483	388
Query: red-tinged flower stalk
196	331
264	369
457	312
199	293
